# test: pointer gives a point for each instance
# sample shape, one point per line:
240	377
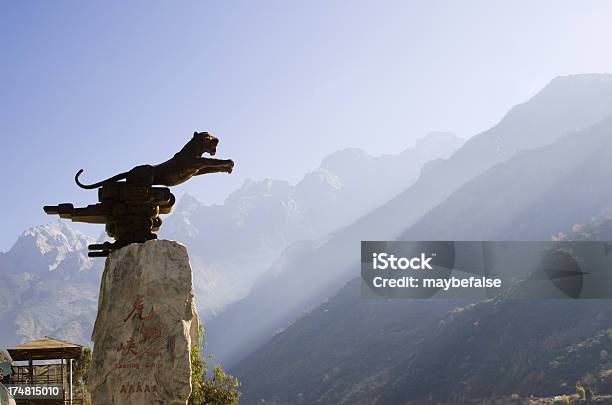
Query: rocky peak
43	247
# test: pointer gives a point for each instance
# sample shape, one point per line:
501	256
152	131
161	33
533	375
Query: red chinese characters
138	309
139	346
128	348
150	332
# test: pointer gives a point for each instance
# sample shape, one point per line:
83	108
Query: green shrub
220	389
580	391
80	368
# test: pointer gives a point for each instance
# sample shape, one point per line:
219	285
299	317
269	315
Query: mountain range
278	277
50	287
310	272
350	350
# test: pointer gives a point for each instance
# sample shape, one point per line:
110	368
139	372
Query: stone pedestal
146	325
5	365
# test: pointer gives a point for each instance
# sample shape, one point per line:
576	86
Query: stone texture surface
5	357
146	325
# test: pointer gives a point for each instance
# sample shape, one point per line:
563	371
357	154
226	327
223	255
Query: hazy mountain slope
596	228
348	183
532	196
306	275
494	348
230	245
356	351
341	342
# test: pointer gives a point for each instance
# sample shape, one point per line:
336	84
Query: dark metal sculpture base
104	249
131	214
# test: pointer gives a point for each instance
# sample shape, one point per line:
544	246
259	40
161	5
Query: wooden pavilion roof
45	348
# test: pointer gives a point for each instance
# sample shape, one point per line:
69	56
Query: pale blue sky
105	86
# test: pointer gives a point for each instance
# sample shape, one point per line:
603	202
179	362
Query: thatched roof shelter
45	348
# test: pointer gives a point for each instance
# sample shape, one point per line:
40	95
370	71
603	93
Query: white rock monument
146	325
